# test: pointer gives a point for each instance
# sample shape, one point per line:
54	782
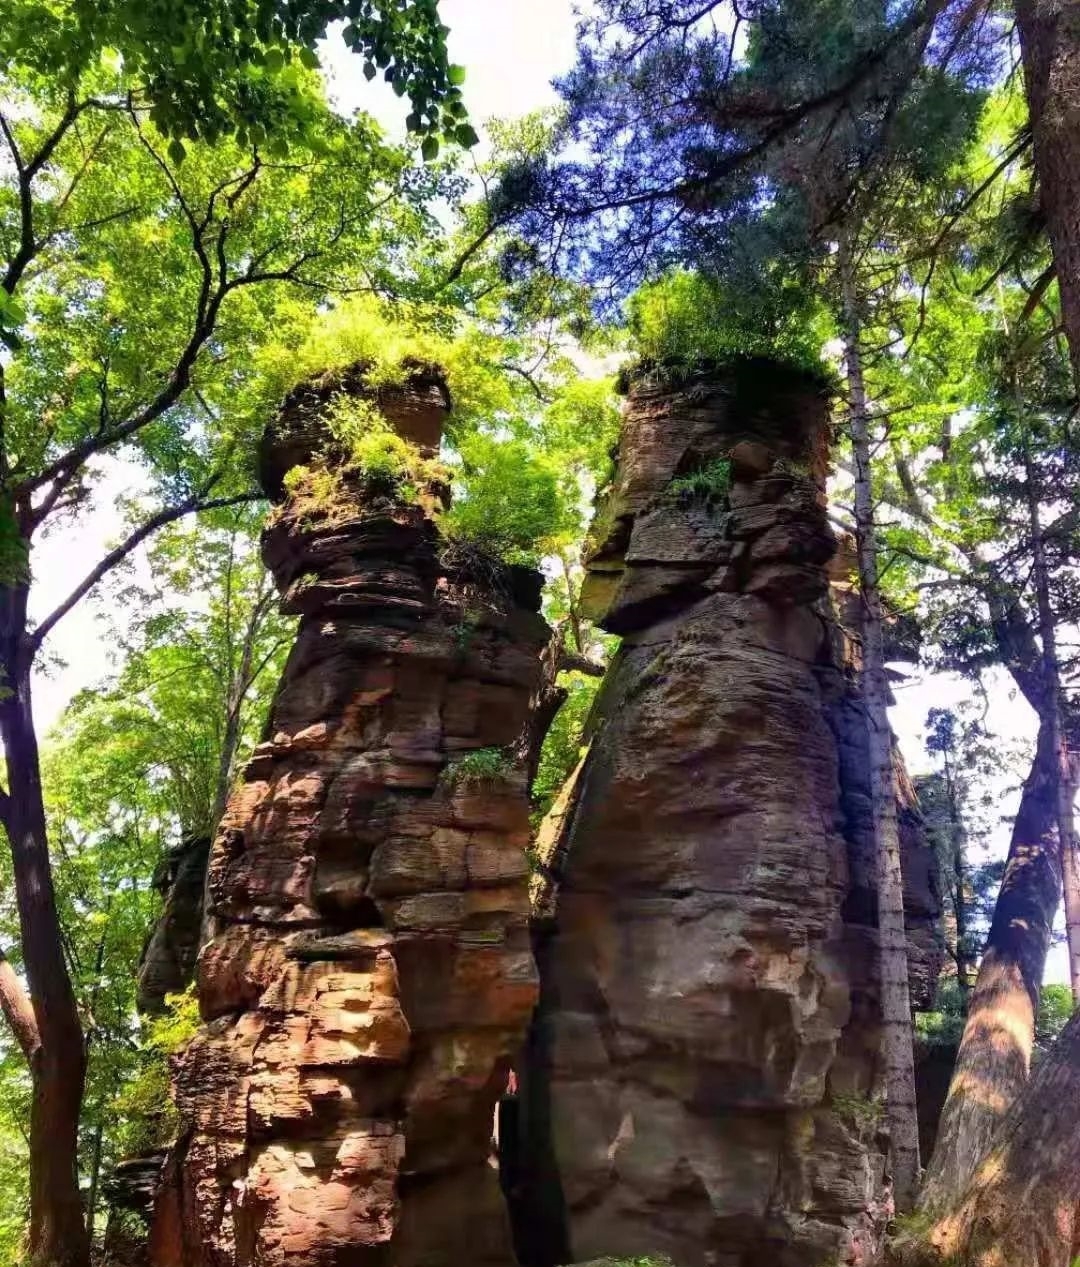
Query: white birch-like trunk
896	1024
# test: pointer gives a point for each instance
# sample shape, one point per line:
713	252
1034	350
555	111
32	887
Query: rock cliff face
168	959
368	971
701	1076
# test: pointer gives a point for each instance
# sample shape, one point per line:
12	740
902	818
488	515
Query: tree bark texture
1064	789
1050	44
1020	1206
995	1052
57	1221
896	1023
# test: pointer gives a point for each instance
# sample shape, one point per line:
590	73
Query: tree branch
570	661
26	173
117	555
18	1010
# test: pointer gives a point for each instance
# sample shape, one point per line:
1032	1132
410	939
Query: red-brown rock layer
703	1064
368	970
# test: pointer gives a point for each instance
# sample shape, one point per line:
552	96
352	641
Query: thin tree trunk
58	1064
544	706
995	1052
1050	44
896	1023
241	680
95	1179
963	957
1063	782
1020	1207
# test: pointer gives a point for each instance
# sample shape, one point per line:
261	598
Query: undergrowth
484	765
710	482
379	463
145	1104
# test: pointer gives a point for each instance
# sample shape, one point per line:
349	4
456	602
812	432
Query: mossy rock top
416	408
749	376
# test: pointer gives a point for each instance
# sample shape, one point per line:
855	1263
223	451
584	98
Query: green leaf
309	58
465	135
430	149
275	59
111	60
12	313
369	71
177	152
456	75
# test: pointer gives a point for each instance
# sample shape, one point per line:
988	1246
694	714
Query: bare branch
542	396
170	514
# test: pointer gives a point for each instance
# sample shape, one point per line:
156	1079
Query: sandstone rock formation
368	971
168	959
700	1080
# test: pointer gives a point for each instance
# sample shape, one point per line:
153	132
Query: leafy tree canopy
725	136
209	69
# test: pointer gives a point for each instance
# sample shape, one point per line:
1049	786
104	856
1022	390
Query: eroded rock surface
168	959
368	972
701	1077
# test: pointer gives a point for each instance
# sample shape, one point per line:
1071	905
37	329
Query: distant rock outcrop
368	973
701	1078
168	959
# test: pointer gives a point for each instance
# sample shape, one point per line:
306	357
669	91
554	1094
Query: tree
218	68
139	277
680	115
897	1036
203	650
1007	1212
976	517
135	765
953	802
1050	43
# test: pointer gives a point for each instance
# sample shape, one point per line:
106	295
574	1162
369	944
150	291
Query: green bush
391	339
709	482
563	744
484	765
685	319
387	465
145	1104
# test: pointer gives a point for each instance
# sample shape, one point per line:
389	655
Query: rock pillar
703	1064
368	971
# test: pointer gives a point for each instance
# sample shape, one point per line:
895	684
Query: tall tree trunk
995	1052
58	1065
896	1023
1063	782
1020	1207
1050	44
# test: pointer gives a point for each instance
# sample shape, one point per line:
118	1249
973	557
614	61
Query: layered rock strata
368	970
701	1079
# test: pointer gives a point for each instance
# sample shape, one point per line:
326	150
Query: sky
511	49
